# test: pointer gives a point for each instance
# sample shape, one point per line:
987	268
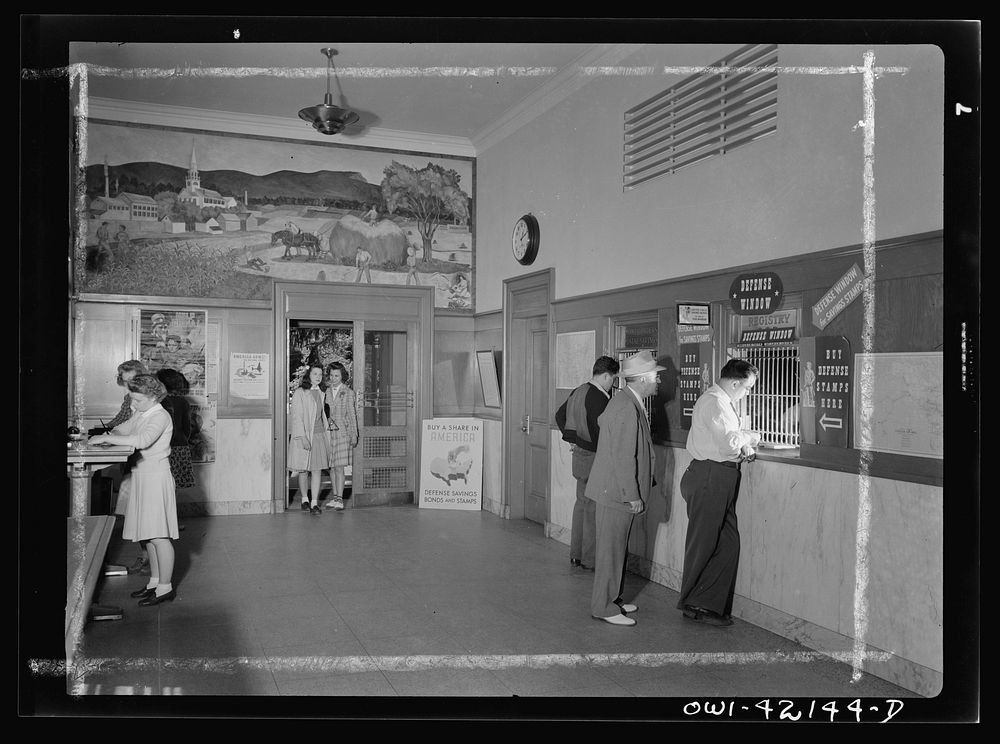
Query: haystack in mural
384	240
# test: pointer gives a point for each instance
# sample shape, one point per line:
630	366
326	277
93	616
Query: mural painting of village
162	218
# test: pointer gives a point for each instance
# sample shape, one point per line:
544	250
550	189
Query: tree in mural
431	194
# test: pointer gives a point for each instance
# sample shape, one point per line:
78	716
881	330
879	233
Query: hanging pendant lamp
326	118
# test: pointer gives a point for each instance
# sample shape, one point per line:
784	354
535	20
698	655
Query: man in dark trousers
577	420
710	486
620	482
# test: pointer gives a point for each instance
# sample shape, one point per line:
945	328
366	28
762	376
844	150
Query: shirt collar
606	393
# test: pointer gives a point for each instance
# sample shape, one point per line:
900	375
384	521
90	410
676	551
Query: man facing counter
710	487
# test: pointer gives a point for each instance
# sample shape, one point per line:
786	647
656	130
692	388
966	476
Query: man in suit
620	482
710	486
577	420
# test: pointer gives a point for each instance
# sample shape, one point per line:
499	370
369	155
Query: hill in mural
287	186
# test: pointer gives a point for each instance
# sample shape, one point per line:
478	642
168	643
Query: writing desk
87	538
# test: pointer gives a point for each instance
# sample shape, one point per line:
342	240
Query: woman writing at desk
151	514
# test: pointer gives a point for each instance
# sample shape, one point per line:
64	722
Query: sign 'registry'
776	328
756	294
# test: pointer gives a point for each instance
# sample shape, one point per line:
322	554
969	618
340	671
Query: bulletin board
489	377
246	358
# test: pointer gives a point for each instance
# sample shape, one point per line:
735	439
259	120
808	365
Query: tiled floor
396	601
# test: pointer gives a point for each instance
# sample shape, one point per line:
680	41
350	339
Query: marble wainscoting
493	499
798	562
239	481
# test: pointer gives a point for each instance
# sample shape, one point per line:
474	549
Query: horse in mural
293	237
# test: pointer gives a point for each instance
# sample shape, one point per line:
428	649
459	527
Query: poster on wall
907	403
203	421
188	213
249	375
696	373
575	356
175	339
826	390
451	464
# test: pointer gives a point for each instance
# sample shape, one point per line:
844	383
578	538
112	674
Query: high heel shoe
143	593
154	600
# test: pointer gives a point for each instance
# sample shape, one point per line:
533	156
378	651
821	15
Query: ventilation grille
384	478
710	113
772	404
389	446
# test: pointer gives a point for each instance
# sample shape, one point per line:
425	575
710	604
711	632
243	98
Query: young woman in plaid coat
343	431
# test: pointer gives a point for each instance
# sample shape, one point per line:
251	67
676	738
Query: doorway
322	343
527	418
384	342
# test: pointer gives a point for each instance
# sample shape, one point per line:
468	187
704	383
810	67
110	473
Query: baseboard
878	662
223	508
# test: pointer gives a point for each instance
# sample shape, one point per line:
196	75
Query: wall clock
524	239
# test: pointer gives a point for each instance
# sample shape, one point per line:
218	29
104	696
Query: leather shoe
143	593
315	510
627	607
154	600
575	563
305	506
701	615
617	620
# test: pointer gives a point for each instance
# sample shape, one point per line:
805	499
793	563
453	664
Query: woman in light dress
151	512
308	454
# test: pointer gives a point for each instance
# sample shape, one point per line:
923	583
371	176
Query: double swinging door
390	350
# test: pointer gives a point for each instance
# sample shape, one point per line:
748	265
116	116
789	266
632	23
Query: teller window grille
631	336
772	405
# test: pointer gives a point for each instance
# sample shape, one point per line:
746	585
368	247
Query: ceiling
448	89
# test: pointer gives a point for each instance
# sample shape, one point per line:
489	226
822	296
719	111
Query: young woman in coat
343	429
308	453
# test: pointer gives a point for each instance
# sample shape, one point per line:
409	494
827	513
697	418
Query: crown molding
136	112
567	81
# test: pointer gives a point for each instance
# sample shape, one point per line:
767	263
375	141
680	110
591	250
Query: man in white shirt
710	486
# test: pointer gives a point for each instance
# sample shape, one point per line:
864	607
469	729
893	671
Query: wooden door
535	420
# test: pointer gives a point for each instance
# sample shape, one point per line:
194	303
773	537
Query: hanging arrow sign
840	295
756	294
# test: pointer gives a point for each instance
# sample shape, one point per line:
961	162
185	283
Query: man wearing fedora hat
710	486
620	482
578	421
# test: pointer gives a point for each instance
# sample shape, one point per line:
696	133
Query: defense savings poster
451	464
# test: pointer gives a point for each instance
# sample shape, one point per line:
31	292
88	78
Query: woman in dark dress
180	412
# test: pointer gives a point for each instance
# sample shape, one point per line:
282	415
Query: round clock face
524	239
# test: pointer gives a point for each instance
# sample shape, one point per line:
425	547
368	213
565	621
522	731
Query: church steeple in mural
192	181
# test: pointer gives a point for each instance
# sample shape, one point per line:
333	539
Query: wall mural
184	213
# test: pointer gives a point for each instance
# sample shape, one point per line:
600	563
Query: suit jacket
301	422
623	468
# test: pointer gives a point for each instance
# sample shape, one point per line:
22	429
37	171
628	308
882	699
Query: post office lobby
613	265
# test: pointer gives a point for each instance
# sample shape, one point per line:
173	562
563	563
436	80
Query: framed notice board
489	362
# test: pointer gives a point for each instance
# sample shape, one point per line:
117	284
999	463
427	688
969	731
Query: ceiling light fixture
326	118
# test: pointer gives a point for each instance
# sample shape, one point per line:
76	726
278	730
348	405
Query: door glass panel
385	379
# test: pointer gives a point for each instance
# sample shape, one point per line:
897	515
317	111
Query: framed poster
694	313
178	212
489	377
451	464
